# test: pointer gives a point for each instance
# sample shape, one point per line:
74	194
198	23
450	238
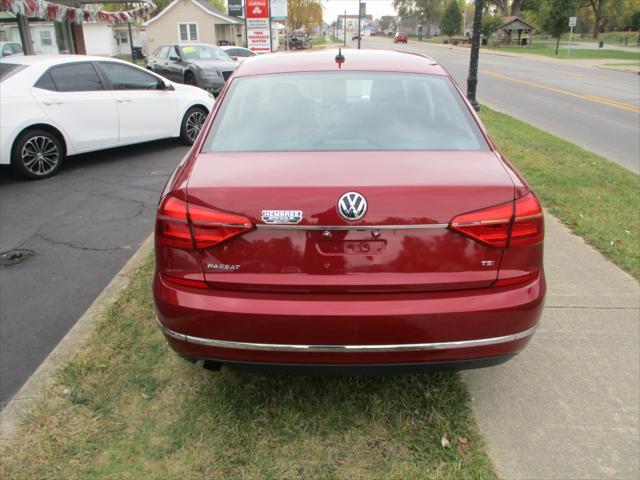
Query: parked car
239	54
202	65
355	36
346	219
400	38
60	105
10	48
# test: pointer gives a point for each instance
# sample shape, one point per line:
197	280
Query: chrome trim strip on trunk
404	347
353	227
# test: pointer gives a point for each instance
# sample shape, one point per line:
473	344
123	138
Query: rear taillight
528	224
490	226
500	226
182	229
172	224
210	227
189	226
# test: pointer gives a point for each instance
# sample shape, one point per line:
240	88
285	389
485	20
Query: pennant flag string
59	13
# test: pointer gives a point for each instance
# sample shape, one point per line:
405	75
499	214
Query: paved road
595	108
83	225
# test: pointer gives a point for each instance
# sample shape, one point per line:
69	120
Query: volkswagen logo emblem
352	206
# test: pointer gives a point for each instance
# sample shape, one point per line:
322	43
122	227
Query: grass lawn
548	50
128	407
614	38
315	41
597	199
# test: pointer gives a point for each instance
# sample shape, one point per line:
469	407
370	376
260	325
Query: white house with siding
193	21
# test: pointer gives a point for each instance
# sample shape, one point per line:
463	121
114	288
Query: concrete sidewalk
568	406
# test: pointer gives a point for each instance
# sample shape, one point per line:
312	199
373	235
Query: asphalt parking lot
82	225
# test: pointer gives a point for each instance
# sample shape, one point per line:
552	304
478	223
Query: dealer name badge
285	217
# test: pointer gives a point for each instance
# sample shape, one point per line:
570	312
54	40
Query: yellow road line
590	98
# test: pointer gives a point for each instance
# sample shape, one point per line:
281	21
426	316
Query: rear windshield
8	69
343	111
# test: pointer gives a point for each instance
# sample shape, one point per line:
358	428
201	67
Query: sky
377	8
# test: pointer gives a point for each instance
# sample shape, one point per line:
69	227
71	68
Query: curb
44	376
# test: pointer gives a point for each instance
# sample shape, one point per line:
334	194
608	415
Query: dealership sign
235	8
258	25
279	9
259	40
257	13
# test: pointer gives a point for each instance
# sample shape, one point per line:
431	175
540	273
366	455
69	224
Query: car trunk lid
401	244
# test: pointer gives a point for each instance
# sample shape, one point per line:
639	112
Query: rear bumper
349	329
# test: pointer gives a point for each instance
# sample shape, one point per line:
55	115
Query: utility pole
344	30
472	80
133	60
359	17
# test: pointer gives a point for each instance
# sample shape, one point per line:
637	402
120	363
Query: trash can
137	53
485	42
600	44
524	42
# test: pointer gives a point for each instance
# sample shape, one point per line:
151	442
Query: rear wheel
192	124
37	154
190	79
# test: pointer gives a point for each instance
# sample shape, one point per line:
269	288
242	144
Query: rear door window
76	77
46	82
8	69
124	77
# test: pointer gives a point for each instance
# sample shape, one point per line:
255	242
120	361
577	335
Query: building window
188	32
45	38
123	37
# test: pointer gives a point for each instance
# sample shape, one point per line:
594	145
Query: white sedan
61	105
239	54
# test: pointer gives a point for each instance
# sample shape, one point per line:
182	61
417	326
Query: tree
451	19
555	17
415	9
507	7
602	10
490	24
385	22
304	13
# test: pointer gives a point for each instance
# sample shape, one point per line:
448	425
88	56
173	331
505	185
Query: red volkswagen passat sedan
344	212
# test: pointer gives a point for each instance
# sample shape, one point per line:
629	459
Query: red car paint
400	38
461	281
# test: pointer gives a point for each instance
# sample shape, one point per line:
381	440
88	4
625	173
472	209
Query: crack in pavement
76	247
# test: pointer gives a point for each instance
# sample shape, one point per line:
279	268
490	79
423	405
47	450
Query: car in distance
400	38
61	105
356	36
10	48
347	212
202	65
239	54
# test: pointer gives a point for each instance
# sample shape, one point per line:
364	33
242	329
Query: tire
192	123
37	154
190	79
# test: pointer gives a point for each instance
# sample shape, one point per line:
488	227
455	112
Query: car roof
354	60
47	60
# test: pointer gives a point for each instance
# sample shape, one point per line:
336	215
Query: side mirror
174	58
162	85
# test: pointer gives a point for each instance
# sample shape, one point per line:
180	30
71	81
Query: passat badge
286	217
